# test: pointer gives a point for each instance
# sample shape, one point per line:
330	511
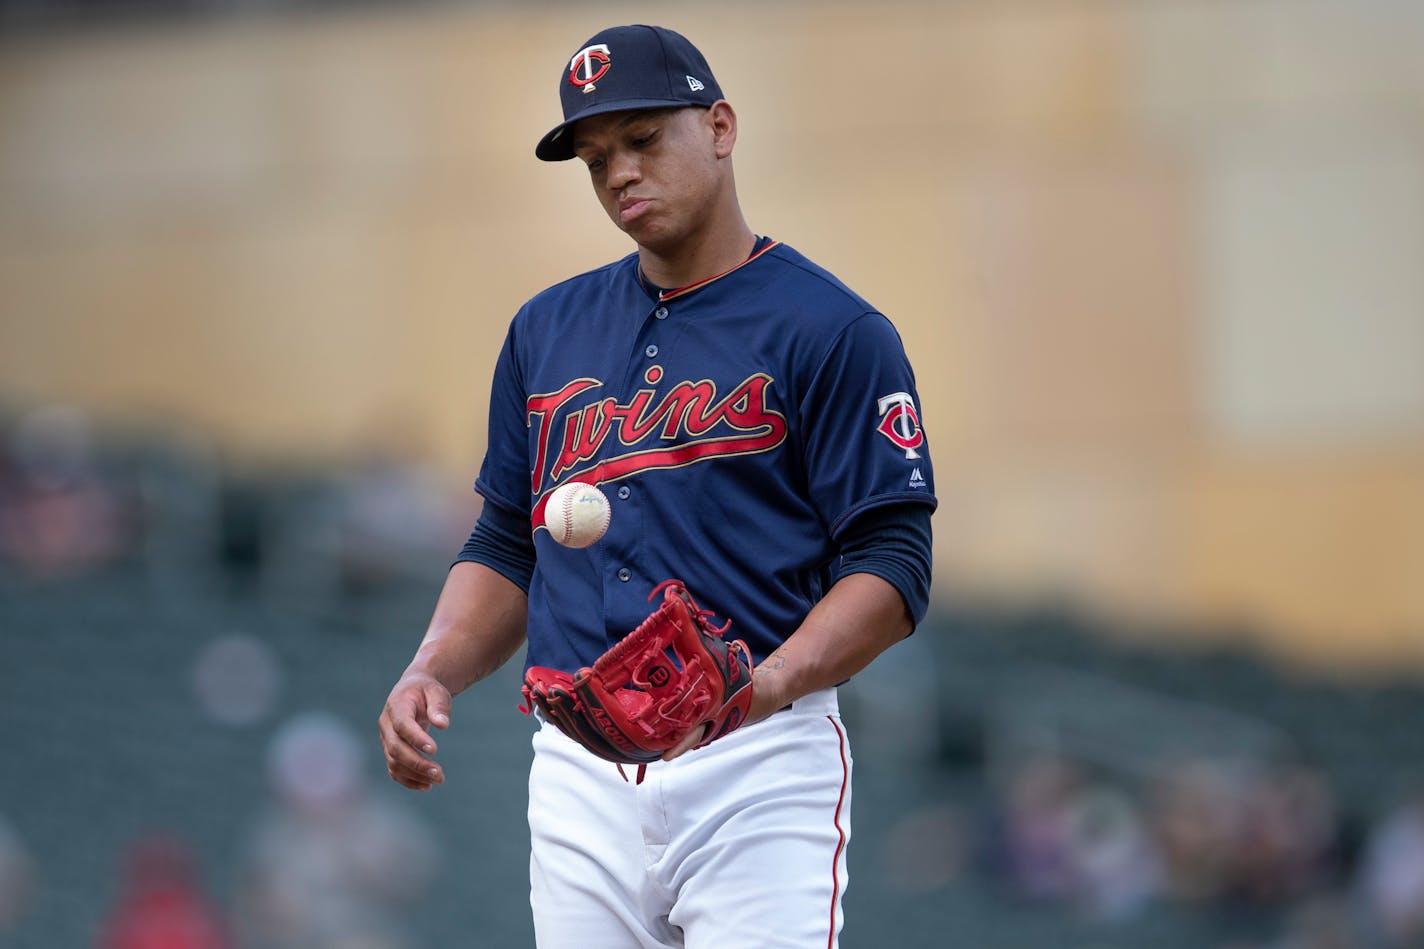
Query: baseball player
755	427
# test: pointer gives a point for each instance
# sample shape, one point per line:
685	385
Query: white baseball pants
739	845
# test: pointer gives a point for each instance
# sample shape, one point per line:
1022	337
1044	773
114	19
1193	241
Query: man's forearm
478	624
858	619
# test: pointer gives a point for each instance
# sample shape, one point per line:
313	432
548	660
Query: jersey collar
762	245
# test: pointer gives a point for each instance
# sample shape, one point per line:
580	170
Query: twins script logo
688	424
900	422
582	71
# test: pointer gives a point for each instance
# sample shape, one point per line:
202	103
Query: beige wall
1158	265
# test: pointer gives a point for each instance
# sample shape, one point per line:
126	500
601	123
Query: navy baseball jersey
736	425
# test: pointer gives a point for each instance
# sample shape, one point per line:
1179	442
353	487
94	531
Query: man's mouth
630	209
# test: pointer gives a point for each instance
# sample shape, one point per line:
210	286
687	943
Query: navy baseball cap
628	67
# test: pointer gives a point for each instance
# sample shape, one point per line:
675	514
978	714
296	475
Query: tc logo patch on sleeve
900	423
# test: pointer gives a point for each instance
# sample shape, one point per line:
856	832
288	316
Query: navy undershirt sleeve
502	542
893	542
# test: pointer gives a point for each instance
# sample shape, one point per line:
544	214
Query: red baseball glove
673	674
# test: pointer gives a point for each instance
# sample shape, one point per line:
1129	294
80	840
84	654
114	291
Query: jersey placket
626	581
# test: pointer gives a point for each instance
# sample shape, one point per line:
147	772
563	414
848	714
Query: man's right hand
417	702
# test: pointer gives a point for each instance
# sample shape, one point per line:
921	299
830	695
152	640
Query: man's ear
723	121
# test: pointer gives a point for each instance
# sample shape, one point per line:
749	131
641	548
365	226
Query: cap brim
558	145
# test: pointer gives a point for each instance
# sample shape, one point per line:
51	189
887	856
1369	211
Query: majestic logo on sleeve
588	65
900	423
688	423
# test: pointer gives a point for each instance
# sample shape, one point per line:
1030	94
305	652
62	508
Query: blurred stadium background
1160	267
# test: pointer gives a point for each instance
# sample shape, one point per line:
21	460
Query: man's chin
649	236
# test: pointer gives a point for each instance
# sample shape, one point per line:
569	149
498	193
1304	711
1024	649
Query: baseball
577	514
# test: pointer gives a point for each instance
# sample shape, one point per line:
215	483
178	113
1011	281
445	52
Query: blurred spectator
1194	812
1391	877
1208	832
1075	838
58	514
1285	836
394	516
1114	864
331	865
17	877
1253	834
1037	827
162	906
236	680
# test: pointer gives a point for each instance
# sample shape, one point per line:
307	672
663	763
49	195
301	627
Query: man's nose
623	170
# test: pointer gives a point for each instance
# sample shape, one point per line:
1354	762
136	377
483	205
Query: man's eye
595	164
643	141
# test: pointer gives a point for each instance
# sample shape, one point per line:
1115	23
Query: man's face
656	172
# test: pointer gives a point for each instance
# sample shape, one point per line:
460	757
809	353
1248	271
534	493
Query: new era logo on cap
628	67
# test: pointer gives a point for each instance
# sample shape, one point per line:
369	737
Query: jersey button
651	350
623	492
625	574
661	313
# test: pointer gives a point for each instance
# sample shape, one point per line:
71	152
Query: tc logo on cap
582	72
